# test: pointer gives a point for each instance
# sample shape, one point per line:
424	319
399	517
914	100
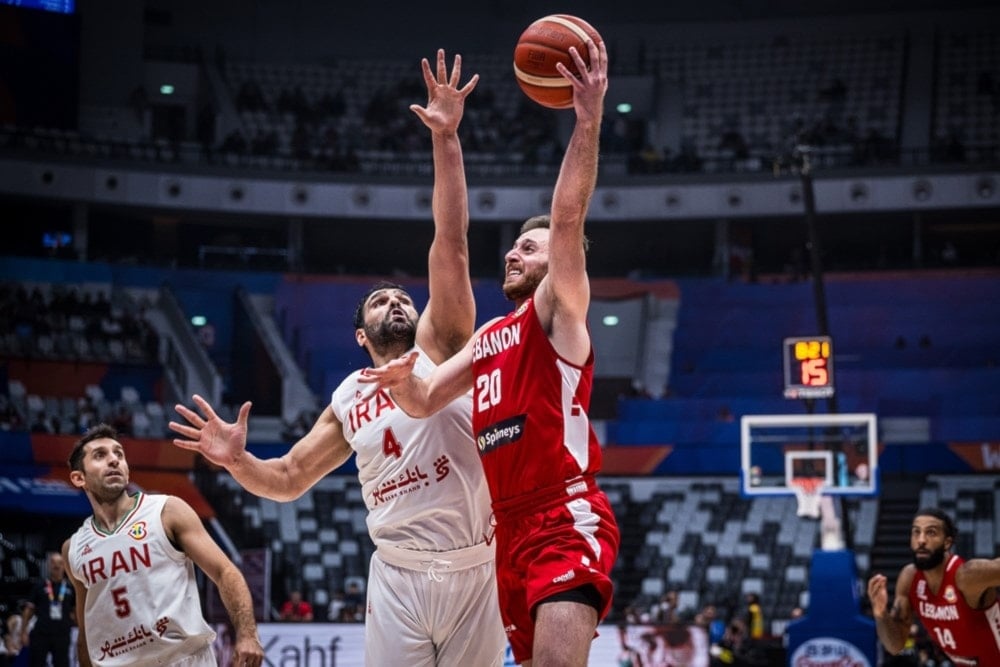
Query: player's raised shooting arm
567	273
564	295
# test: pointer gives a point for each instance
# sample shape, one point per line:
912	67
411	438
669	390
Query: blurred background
194	195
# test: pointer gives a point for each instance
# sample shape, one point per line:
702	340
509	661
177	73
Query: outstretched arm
450	315
185	529
423	397
978	579
892	624
563	297
287	477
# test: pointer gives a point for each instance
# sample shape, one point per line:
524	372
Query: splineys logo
501	433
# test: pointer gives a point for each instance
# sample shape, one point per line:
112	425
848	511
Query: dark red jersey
529	413
969	636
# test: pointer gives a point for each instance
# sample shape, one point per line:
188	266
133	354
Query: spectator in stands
296	610
354	603
86	414
10	419
713	623
537	446
428	504
122	420
956	600
755	616
12	636
665	610
52	607
335	610
730	649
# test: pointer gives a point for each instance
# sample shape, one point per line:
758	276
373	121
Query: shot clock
808	367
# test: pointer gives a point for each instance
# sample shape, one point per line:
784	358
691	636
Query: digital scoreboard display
808	367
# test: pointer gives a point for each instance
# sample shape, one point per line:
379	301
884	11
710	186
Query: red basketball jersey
969	636
529	410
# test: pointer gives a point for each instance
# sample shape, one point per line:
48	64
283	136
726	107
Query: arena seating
974	502
319	542
968	93
767	91
914	344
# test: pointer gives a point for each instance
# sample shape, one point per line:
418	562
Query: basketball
543	44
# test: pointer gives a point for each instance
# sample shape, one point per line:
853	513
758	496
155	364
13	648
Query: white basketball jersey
421	478
142	605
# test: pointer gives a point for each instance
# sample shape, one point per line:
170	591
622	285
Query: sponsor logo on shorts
569	575
501	433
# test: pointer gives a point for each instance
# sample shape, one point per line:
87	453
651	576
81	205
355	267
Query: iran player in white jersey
132	566
432	596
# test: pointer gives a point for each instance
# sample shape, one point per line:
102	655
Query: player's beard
108	492
392	334
930	562
525	286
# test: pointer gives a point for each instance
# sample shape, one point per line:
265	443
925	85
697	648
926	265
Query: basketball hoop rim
808	495
809	485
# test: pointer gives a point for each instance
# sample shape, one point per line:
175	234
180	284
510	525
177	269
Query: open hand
445	100
218	441
878	594
391	374
591	85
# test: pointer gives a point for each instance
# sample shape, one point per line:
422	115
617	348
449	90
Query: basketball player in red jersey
531	375
955	600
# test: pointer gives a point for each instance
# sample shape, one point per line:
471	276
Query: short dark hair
949	526
359	312
96	432
545	222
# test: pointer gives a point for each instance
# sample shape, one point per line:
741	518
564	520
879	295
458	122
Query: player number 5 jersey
142	604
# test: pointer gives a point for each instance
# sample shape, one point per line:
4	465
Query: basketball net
814	505
807	493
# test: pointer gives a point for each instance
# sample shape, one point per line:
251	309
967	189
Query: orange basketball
543	44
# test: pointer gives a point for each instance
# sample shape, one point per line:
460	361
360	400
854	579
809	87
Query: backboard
839	449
